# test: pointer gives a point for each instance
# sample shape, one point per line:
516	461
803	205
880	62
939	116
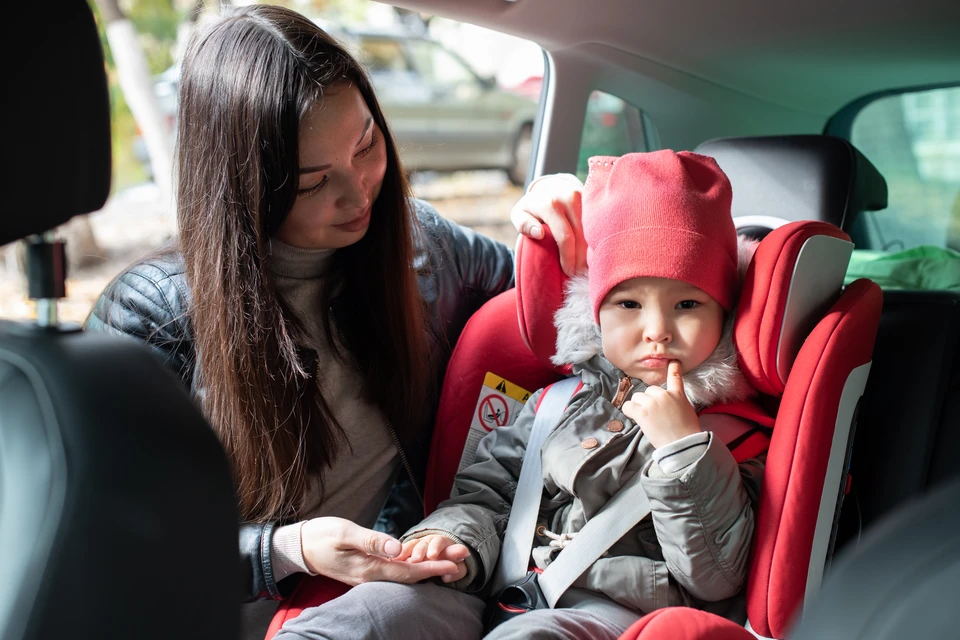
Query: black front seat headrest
56	119
779	179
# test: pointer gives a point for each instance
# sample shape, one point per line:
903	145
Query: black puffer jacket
459	271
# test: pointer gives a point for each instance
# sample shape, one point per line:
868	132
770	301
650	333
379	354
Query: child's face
647	322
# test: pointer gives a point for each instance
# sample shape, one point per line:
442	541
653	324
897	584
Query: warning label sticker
497	406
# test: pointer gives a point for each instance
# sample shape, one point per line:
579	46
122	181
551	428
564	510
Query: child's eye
688	304
628	304
309	191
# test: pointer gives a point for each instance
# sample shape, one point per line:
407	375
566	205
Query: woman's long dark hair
246	84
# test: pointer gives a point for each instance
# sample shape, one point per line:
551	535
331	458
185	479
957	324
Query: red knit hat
664	214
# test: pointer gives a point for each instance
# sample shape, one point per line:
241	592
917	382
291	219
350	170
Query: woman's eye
629	304
309	191
688	304
367	149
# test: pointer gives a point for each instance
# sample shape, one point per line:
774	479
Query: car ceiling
813	56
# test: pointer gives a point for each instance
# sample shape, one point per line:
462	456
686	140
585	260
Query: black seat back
779	179
117	513
902	582
908	433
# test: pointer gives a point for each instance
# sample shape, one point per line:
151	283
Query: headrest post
46	275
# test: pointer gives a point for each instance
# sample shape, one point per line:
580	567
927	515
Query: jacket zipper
623	388
386	420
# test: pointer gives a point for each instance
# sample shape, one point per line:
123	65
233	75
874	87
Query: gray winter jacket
693	549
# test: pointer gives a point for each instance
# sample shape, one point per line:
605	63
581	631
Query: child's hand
665	415
437	547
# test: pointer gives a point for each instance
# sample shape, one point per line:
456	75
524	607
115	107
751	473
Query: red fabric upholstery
764	297
797	459
681	623
491	341
540	284
311	592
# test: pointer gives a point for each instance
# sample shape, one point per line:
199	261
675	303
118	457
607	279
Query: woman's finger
409	573
526	222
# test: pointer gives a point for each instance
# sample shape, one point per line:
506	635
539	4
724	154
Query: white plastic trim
755	634
816	281
852	391
769	222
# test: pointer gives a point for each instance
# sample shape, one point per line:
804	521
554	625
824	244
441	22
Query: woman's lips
358	224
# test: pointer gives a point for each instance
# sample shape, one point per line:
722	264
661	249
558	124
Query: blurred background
461	101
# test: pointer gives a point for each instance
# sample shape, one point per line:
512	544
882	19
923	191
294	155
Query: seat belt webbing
518	538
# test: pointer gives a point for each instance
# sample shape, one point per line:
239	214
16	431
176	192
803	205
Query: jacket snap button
615	426
589	443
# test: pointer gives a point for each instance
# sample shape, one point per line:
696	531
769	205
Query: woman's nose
354	193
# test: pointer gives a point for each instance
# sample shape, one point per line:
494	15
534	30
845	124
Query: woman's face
342	163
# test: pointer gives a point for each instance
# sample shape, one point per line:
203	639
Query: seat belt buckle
514	600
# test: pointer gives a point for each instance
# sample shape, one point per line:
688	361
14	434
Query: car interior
856	530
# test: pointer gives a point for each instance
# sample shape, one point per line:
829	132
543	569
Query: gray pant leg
557	624
386	610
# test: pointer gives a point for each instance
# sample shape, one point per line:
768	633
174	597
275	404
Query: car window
382	56
914	141
438	66
613	127
461	103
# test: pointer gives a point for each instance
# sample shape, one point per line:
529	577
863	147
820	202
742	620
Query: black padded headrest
802	177
56	120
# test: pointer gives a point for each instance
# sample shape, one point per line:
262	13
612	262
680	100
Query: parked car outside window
444	116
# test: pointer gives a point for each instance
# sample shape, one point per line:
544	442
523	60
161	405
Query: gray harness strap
518	538
628	507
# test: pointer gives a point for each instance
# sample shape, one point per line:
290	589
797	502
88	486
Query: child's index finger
674	376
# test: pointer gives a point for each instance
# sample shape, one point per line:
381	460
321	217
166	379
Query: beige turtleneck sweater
357	484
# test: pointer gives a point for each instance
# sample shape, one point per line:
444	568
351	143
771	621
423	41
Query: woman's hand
554	200
347	552
437	547
664	415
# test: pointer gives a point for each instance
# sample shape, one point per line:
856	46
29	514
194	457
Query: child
648	329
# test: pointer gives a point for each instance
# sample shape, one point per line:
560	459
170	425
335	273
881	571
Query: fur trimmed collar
717	380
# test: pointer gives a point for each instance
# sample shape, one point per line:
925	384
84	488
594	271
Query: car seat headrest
540	291
795	274
779	179
59	148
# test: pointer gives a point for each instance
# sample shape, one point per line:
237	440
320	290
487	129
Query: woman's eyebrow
366	127
324	167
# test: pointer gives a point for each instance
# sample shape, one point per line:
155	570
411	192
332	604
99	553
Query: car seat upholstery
115	496
779	179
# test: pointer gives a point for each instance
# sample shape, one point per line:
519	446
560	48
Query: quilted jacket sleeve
704	516
477	516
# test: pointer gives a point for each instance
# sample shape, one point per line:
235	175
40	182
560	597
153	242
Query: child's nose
656	329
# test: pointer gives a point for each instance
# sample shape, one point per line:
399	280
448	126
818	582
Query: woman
310	304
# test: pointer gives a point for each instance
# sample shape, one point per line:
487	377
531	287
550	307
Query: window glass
613	127
438	67
460	101
914	141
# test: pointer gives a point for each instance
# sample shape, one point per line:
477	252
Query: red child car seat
792	286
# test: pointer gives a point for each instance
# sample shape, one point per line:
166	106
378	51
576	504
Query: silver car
444	116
